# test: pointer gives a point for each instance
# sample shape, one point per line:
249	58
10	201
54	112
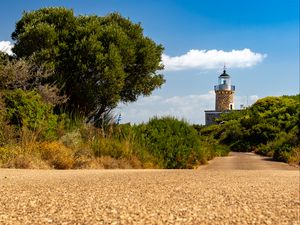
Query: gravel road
239	189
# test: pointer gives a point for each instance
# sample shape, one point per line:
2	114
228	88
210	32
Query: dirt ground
242	188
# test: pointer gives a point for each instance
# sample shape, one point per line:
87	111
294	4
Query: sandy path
239	189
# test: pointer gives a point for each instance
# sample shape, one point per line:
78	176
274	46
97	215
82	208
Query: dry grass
55	155
82	148
294	159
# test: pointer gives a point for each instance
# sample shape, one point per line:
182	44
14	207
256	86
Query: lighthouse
224	93
224	98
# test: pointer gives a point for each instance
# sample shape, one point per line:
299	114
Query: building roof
224	74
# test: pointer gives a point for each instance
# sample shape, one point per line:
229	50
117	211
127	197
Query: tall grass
83	147
73	144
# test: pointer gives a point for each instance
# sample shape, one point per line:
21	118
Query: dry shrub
149	165
72	139
112	147
294	158
57	155
84	158
84	162
14	156
20	162
108	162
135	162
21	73
22	157
50	94
8	135
7	153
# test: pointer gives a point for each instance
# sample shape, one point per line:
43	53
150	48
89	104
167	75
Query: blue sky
268	28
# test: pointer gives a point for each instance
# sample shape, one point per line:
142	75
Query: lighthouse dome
224	74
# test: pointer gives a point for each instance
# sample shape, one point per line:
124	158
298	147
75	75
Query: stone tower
224	93
224	99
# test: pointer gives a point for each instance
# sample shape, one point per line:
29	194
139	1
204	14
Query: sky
257	40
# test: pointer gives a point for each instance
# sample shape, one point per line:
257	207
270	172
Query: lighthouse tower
224	93
224	98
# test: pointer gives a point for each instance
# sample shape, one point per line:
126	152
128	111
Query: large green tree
98	61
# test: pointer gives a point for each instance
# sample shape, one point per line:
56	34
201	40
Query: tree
97	61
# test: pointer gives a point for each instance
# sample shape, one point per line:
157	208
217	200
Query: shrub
270	127
27	109
174	143
7	153
57	155
282	148
111	147
23	157
294	157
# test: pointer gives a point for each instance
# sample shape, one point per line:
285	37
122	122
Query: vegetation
96	61
161	143
269	127
174	143
58	92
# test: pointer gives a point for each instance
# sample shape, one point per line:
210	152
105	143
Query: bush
294	157
26	156
269	127
27	109
57	155
111	147
282	148
7	153
174	143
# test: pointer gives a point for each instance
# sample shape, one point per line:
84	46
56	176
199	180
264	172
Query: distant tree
97	61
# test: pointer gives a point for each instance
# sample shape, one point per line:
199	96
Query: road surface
239	189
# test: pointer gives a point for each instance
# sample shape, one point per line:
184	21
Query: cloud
189	107
212	59
6	46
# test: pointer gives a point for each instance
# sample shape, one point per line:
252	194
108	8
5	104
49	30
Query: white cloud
6	46
212	59
189	107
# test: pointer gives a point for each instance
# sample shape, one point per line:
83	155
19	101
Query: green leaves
26	109
270	127
173	142
21	106
98	61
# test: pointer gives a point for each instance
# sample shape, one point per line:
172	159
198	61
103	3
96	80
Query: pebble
201	196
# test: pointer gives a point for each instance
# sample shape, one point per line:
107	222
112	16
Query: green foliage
118	142
26	109
209	139
174	143
269	127
98	61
